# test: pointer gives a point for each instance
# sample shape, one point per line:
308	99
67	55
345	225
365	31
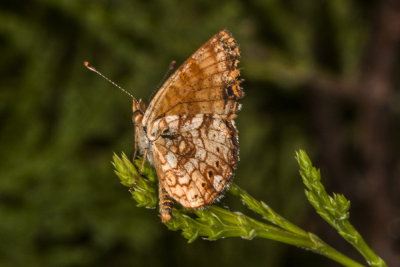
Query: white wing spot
189	167
217	182
200	154
182	146
168	119
220	56
168	142
194	133
197	142
197	121
186	126
184	180
216	136
178	190
217	124
171	159
154	129
194	162
194	197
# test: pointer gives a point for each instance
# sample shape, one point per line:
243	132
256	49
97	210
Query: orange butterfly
188	132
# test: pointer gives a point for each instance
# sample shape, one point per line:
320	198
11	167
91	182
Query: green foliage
59	205
145	192
214	222
334	210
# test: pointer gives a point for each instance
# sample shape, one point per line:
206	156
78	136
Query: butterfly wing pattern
188	131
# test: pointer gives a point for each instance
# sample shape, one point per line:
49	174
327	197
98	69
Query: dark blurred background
319	75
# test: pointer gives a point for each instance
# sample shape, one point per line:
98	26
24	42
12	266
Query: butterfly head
138	109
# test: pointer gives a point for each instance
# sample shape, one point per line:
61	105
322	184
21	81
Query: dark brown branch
374	127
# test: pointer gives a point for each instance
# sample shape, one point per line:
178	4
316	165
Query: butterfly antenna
90	67
167	73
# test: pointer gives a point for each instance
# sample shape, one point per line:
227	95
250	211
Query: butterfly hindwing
194	157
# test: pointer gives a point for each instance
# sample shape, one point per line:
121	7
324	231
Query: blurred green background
319	75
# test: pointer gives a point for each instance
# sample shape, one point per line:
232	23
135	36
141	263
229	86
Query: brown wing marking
206	83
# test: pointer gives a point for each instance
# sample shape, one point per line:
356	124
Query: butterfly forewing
206	83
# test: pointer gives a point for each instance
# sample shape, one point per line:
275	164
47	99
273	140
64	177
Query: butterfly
188	132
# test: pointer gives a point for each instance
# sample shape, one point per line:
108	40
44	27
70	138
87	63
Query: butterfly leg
165	203
143	160
135	152
132	188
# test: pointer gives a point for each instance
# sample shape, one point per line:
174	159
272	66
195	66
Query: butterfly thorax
141	140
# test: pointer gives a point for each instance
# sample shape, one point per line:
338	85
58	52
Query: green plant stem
299	237
214	222
333	209
356	240
264	210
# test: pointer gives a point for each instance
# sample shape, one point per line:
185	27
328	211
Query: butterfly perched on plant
187	132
